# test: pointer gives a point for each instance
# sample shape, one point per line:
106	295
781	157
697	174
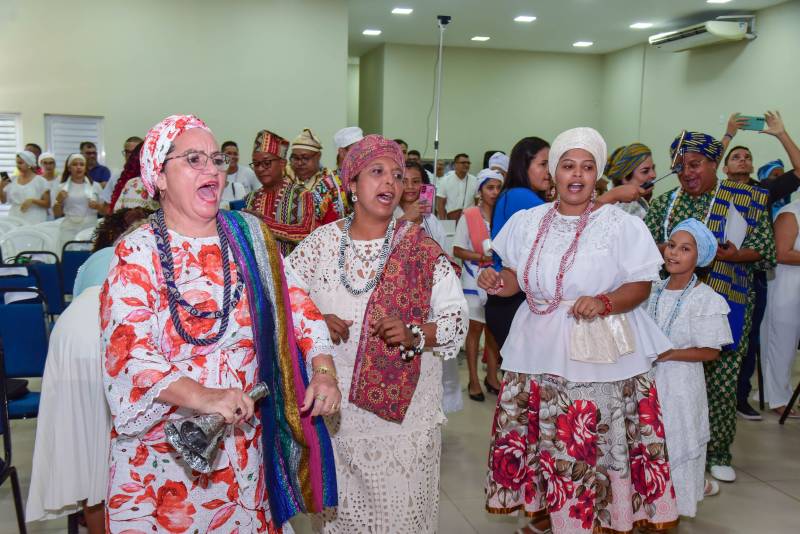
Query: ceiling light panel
524	18
371	33
480	38
641	25
402	11
582	44
717	1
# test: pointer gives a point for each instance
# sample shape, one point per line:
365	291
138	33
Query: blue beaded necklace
174	296
652	307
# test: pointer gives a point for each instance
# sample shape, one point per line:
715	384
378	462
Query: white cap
488	174
499	160
347	136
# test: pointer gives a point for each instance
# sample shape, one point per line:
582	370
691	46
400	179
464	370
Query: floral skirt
592	455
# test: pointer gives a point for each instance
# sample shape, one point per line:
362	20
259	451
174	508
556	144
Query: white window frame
8	151
64	134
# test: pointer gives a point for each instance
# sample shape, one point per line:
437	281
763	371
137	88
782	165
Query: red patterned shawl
382	382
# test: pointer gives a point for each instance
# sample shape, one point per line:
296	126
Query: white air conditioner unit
705	33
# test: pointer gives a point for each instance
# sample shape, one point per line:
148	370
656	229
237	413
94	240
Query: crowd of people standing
617	326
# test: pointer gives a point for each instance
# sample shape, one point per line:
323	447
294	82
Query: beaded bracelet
408	353
607	303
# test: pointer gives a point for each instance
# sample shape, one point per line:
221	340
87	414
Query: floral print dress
150	488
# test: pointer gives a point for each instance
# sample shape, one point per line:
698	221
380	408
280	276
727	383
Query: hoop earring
354	197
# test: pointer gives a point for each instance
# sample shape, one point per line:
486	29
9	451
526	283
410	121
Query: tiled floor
764	500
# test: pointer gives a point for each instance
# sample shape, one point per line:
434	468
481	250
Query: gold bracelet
322	370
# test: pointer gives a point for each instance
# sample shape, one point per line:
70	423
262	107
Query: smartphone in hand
752	123
4	176
427	196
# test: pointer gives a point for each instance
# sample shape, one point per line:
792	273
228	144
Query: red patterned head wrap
367	150
157	143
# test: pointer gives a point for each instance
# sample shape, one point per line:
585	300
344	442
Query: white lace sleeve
305	258
448	310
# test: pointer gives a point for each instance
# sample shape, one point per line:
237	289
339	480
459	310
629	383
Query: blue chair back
18	276
73	255
237	205
48	274
23	334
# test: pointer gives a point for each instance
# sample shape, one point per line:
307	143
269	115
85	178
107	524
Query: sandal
531	528
478	397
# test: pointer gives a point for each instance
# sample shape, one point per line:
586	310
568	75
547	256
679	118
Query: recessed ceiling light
525	18
371	32
480	38
717	1
402	11
581	44
641	25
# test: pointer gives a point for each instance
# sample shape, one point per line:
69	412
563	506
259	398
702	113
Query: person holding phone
470	246
418	207
28	193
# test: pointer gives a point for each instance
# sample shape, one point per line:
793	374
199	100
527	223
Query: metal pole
442	24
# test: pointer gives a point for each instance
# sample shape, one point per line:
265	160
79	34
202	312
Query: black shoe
490	388
479	397
745	411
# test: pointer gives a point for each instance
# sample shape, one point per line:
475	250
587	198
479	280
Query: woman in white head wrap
77	200
578	438
28	193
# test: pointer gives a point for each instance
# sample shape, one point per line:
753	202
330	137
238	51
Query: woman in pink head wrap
195	312
391	299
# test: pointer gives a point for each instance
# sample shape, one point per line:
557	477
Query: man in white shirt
239	174
344	139
456	190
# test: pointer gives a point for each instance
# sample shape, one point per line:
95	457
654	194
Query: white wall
490	98
241	66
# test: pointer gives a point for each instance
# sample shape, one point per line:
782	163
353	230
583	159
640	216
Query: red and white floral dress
150	489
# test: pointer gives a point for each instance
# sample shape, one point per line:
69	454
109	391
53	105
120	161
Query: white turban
46	155
28	157
348	136
588	139
499	160
488	174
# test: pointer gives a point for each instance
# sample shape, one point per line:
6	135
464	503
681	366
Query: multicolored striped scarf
300	475
733	280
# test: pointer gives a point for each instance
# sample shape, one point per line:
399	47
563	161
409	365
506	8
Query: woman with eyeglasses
196	311
77	200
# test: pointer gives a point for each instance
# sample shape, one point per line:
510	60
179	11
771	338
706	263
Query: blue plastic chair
7	469
24	338
73	255
237	205
48	274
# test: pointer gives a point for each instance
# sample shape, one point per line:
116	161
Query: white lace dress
387	473
701	322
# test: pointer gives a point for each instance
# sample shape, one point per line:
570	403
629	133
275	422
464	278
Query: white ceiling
559	22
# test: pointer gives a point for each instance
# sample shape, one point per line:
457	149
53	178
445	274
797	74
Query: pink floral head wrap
368	149
157	143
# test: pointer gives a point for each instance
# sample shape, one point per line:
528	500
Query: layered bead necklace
652	308
382	256
567	260
174	296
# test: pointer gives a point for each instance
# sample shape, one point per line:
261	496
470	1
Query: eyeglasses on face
464	162
265	163
198	160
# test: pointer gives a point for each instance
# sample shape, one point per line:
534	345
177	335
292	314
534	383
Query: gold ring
321	397
334	407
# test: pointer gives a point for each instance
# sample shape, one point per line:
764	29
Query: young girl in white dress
695	318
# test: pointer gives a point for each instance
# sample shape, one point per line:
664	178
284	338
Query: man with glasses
305	170
456	190
98	173
726	207
287	208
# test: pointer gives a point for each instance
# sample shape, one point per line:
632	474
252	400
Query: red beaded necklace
566	260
